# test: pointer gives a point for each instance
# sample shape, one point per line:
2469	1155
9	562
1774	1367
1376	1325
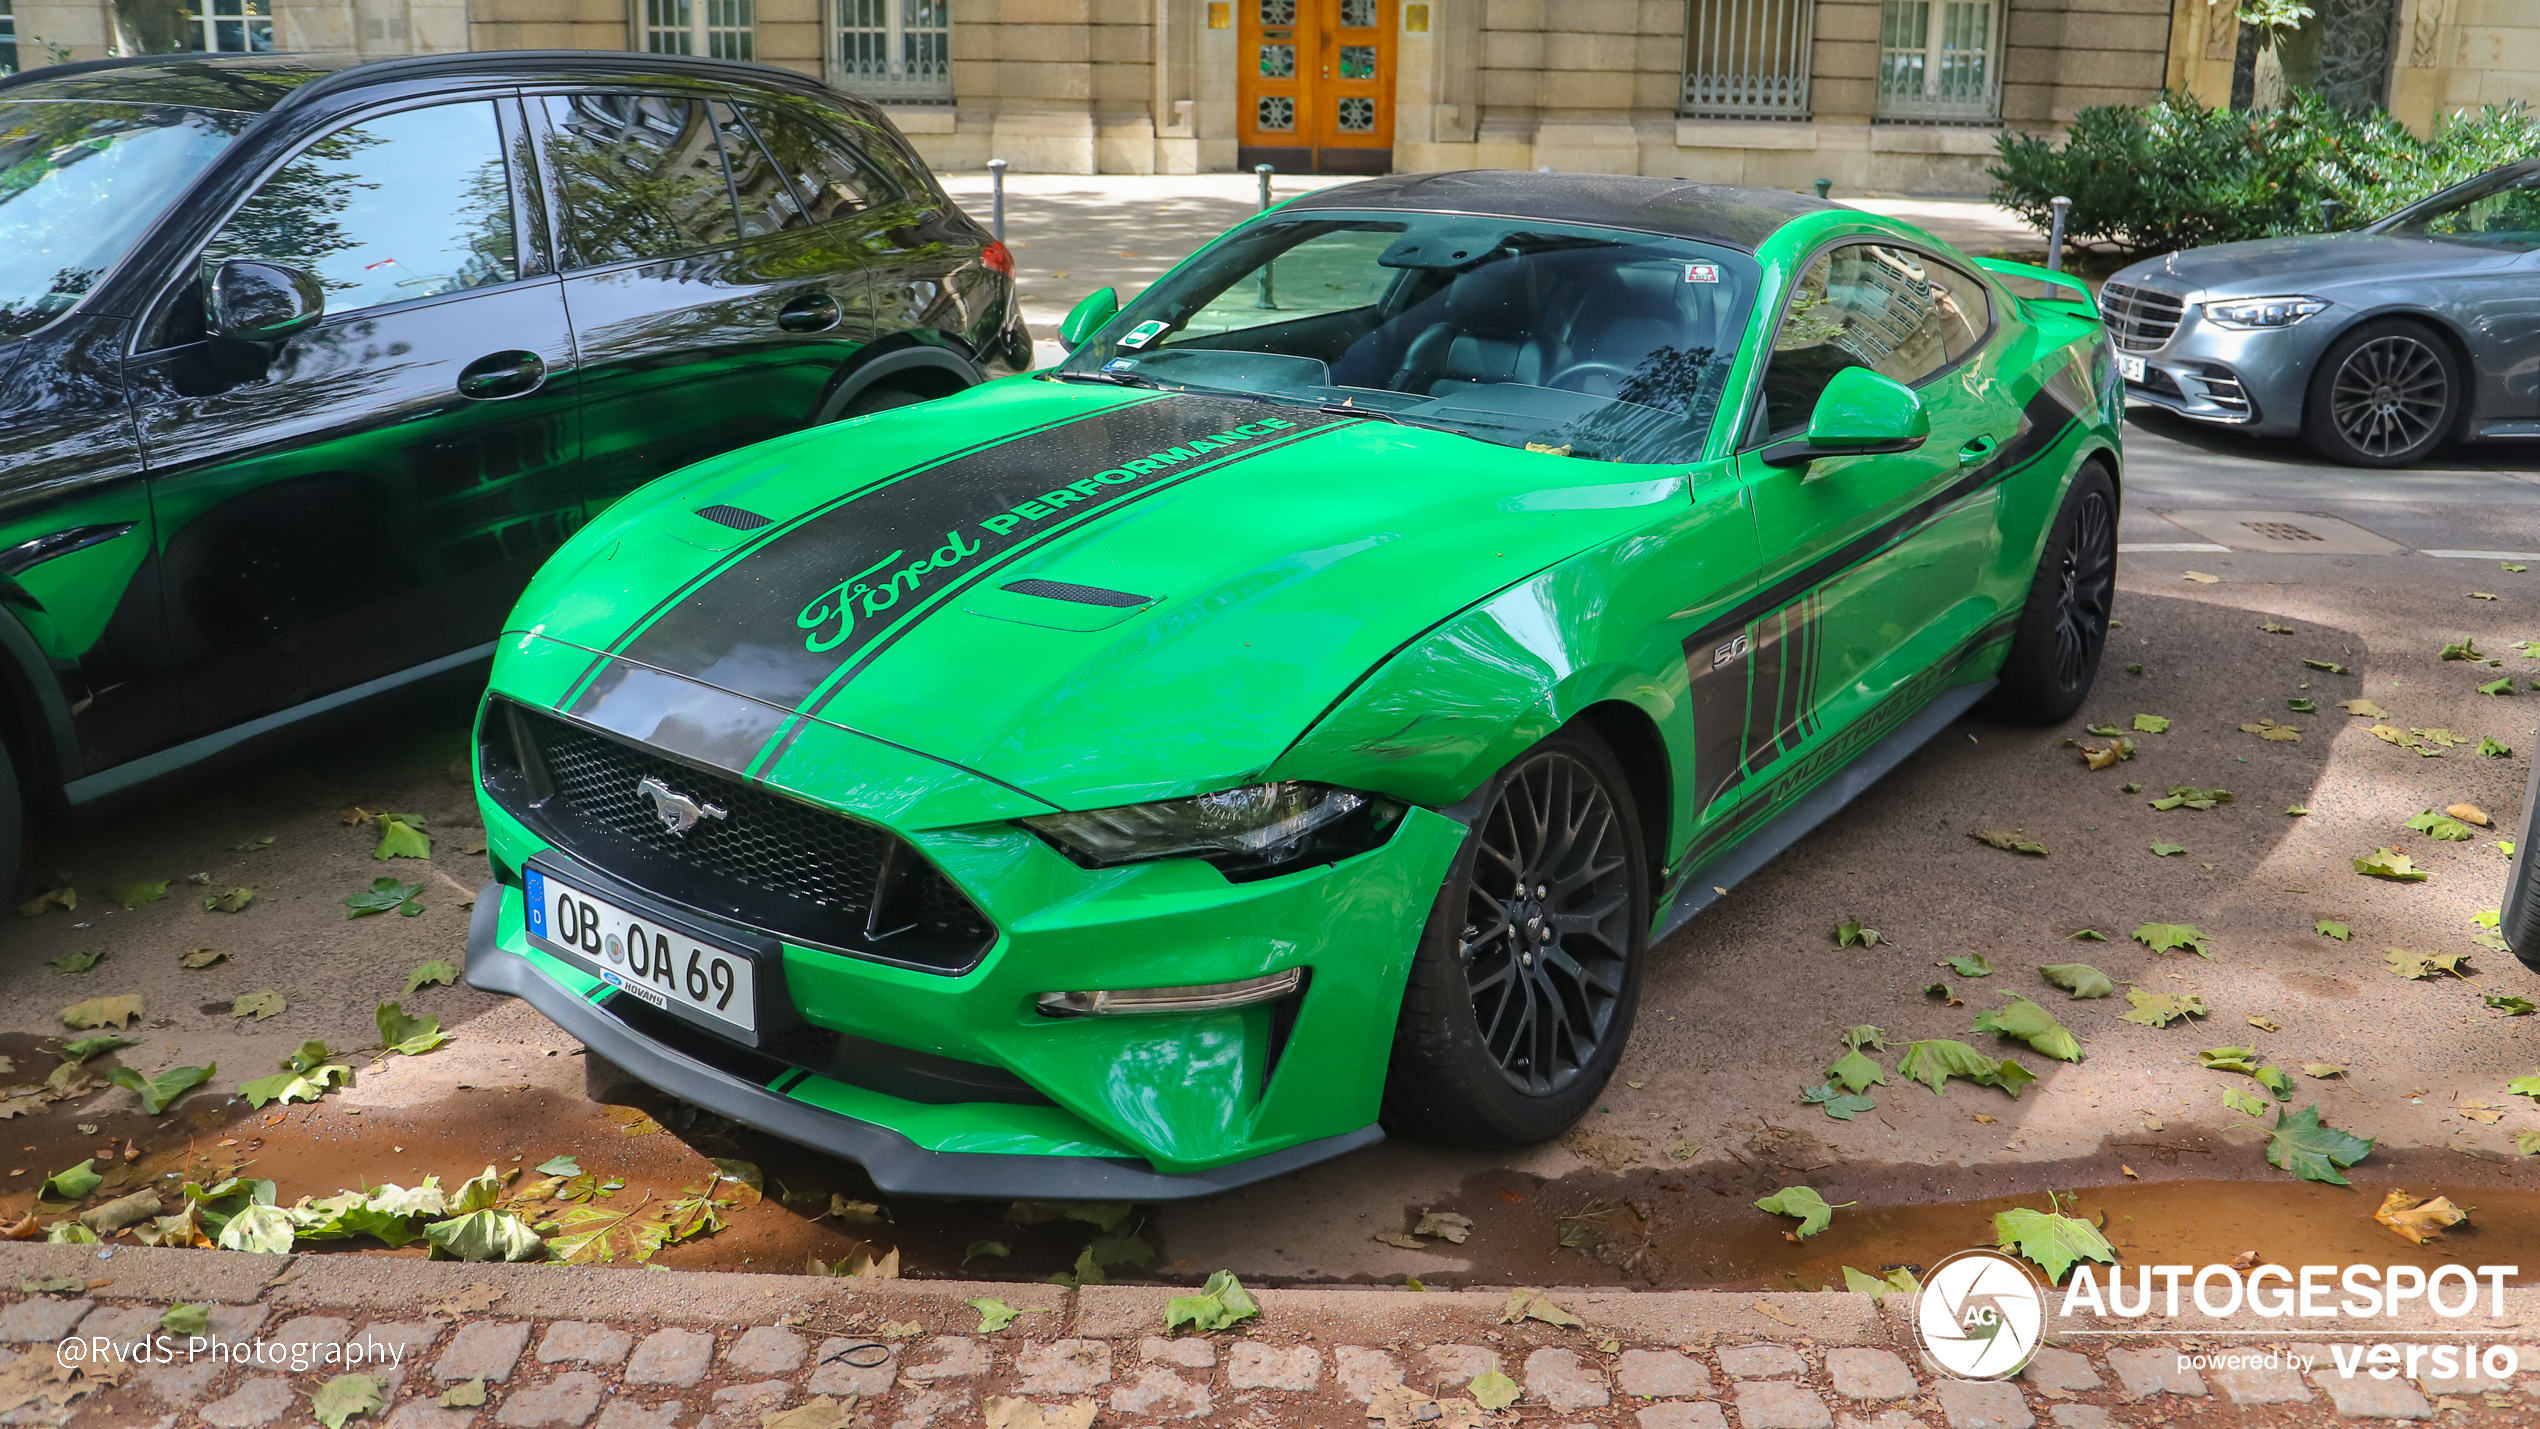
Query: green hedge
2173	174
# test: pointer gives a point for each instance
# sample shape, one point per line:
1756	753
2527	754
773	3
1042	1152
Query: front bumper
897	1165
2251	379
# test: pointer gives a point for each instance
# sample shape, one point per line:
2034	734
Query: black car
305	366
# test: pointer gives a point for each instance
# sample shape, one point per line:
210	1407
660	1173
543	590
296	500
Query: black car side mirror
250	300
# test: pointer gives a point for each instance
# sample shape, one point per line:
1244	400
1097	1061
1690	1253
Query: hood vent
1081	594
735	517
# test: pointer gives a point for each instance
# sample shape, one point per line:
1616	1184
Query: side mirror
1087	318
250	300
1858	414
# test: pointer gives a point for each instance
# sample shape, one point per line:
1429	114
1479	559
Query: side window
640	176
407	205
1334	272
1869	305
832	177
767	203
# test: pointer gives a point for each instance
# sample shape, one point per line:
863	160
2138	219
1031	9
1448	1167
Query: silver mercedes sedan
2374	345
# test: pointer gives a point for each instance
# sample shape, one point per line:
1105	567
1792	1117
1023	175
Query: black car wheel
2384	395
2063	627
1524	986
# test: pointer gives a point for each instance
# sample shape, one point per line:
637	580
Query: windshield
1592	342
2499	210
78	183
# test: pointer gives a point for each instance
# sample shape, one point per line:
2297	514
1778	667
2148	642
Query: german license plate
2130	368
659	964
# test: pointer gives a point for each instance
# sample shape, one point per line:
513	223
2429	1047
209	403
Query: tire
1465	1073
884	396
2063	626
2385	394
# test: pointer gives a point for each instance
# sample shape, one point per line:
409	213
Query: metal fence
1747	59
894	51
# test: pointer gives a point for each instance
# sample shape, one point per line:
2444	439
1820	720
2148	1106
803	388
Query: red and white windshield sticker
1702	272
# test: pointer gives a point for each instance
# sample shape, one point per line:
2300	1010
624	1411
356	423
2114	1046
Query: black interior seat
1485	331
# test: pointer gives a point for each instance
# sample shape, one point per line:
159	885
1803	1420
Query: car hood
2270	266
1093	595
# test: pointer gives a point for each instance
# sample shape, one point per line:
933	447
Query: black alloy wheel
1525	984
2062	630
2385	395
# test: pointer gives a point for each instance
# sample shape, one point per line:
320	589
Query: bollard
996	202
2328	214
2055	237
1265	171
1824	187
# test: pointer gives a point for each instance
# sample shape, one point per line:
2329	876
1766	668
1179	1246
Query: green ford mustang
1299	712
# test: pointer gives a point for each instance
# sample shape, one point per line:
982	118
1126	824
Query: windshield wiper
1379	414
1116	379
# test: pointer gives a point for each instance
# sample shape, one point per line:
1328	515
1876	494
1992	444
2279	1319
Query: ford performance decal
807	607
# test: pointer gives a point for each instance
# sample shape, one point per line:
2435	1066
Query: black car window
640	177
407	205
831	177
1872	305
767	202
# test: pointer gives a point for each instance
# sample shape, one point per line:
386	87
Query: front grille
754	856
2158	381
2140	319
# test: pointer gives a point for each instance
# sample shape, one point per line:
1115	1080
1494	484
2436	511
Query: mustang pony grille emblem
677	812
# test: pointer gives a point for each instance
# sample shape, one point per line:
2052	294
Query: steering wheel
1568	377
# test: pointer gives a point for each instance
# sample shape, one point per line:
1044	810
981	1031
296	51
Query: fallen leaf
119	1011
2243	1102
1529	1303
2272	628
2493	747
2272	732
2162	937
2089	935
74	1184
1493	1390
2510	1006
234	900
994	1314
1940	993
258	1005
2025	1021
2127	1172
2168	850
2499	688
202	958
2322	1070
1933	1062
133	895
1969	964
2160	1009
402	836
1219	1305
408	1036
2482	595
2190	796
346	1395
2418	966
2151	724
2080	979
61	895
2367	708
2054	1241
2441	827
2390	864
2301	1144
1850	932
1402	1240
2010	842
2330	666
2327	929
78	962
383	895
1445	1225
2201	578
2419	1221
428	974
1837	1103
2464	648
157	1092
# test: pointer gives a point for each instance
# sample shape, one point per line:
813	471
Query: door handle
493	377
1976	450
814	312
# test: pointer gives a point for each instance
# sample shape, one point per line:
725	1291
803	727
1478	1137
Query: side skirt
1701	886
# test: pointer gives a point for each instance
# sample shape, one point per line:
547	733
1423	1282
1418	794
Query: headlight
1255	829
2262	312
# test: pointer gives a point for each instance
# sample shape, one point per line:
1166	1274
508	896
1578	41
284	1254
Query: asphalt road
1743	1008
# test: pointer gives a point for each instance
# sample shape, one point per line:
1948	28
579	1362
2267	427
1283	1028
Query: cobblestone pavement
560	1348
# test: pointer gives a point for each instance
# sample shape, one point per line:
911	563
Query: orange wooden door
1314	85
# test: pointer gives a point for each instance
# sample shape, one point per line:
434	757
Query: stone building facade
1873	95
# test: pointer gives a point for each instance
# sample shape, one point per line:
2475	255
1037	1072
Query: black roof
257	83
1713	213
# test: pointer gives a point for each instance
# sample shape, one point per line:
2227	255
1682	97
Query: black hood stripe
763	535
812	602
1302	426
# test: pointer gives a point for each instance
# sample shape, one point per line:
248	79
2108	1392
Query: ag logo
1980	1315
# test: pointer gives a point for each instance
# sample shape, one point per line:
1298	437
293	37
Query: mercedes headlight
1257	829
2245	313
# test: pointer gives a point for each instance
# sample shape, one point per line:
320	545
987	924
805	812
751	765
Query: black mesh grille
802	873
734	517
1081	594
